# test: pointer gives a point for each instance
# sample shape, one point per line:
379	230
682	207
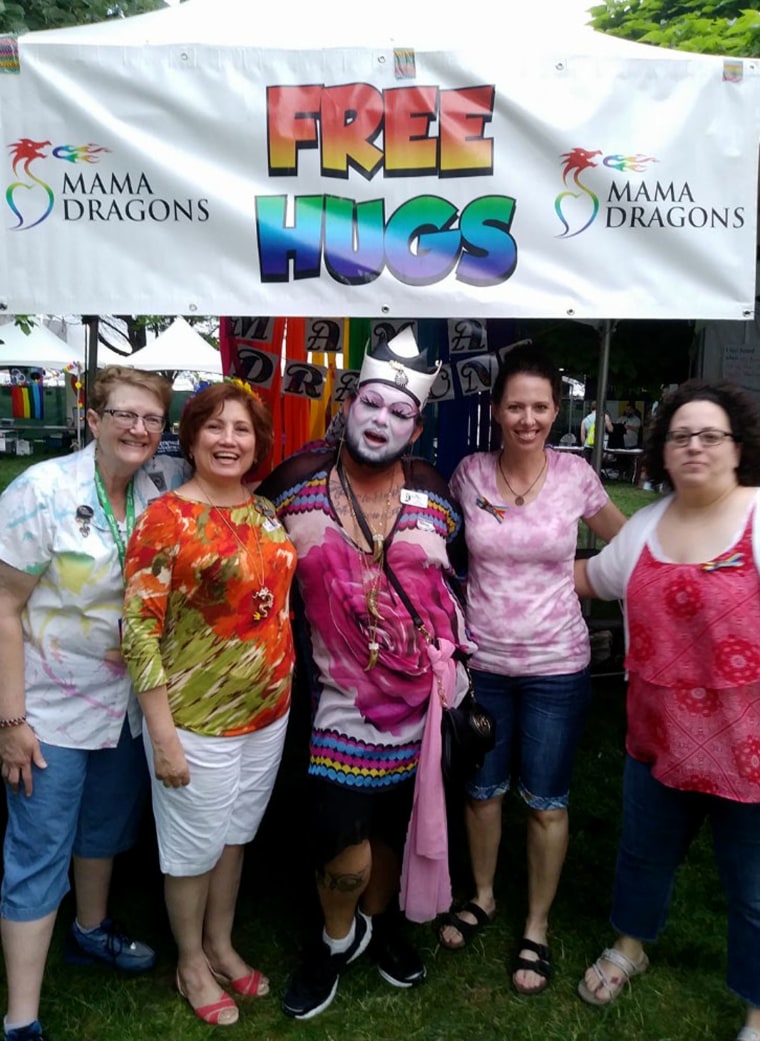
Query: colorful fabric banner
27	402
505	180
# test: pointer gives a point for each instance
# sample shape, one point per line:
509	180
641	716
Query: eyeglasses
707	438
126	420
398	410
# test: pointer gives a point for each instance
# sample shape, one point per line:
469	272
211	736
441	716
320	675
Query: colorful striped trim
9	61
358	764
308	496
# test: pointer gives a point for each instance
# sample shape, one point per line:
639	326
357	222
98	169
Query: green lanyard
105	502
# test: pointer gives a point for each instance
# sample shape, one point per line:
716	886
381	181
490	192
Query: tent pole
597	450
91	321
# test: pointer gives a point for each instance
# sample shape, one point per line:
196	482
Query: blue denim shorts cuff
480	794
543	802
30	914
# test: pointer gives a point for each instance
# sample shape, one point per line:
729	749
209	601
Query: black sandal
468	930
542	966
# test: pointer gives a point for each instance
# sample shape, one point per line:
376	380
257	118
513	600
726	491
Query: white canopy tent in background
179	347
203	159
41	348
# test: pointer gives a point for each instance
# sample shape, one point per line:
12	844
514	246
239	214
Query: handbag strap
361	520
391	575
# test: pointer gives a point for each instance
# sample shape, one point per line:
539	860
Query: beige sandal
612	984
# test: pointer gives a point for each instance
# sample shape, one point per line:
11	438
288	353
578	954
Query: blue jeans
659	824
86	802
539	722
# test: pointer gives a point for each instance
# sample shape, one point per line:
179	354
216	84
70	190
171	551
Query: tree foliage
20	16
730	27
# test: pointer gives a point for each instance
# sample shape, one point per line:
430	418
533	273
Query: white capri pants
231	781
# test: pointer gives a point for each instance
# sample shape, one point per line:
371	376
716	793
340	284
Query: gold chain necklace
263	598
520	499
372	570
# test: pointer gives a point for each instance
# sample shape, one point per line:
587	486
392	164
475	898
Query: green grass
467	994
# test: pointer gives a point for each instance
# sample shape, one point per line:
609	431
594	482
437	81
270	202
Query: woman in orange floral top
208	643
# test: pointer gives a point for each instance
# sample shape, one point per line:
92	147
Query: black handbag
468	731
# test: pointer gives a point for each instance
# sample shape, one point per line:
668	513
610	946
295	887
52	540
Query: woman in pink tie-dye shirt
521	506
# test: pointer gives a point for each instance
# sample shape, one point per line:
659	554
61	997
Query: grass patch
467	994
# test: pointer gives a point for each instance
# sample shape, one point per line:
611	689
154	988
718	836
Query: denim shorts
539	722
86	802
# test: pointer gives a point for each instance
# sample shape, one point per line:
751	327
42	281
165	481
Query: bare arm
583	587
169	763
19	747
607	522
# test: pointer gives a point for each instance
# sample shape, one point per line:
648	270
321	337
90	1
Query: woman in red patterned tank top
687	567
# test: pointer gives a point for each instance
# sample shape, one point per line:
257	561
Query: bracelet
17	721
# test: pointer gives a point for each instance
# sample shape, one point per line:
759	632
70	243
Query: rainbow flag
27	402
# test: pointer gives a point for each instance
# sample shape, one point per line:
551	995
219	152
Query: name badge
411	498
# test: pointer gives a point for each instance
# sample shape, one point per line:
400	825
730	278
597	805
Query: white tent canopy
180	348
207	159
40	348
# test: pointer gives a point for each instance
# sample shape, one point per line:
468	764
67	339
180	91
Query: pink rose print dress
368	724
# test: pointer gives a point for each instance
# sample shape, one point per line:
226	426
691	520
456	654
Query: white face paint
380	424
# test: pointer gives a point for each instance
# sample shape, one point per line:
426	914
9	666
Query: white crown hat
399	363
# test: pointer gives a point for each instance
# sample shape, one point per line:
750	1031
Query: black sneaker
397	960
362	938
313	985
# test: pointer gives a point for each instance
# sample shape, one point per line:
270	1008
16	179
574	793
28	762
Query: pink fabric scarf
425	881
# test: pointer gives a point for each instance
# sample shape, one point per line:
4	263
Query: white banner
230	180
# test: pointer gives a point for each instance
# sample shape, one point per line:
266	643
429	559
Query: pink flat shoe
254	985
222	1013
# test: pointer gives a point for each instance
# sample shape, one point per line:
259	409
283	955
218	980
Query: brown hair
743	418
209	402
108	377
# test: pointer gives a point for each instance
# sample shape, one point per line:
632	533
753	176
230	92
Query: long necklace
372	569
263	597
520	499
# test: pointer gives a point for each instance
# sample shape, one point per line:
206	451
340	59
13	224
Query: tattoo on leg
343	883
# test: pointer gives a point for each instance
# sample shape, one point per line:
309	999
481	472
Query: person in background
588	429
70	746
521	506
208	643
688	569
355	513
631	426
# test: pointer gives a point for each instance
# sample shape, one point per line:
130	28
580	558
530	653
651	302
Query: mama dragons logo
81	195
577	161
32	209
643	203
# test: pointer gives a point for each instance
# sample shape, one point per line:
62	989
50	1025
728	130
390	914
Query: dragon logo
576	217
32	209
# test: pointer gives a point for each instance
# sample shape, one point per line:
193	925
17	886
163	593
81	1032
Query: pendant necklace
372	569
263	597
520	499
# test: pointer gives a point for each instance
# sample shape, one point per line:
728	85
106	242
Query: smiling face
121	450
525	413
381	422
225	445
695	466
